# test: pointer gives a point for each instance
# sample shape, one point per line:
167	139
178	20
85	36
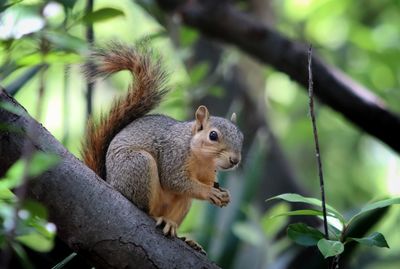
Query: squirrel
158	163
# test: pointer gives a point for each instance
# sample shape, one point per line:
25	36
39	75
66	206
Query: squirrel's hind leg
170	212
135	176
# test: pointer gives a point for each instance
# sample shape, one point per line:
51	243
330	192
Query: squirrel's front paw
219	197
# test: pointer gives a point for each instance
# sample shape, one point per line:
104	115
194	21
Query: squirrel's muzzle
234	160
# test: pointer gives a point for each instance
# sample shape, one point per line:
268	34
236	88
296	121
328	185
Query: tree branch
92	218
218	19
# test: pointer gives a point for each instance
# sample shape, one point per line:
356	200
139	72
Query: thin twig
333	263
89	39
317	151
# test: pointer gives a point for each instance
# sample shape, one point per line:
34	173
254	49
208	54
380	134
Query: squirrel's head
216	139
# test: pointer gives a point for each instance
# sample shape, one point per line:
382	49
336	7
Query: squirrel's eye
213	136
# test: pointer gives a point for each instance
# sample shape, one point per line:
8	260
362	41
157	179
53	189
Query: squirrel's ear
234	118
202	117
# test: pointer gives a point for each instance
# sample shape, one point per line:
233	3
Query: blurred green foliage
359	37
23	221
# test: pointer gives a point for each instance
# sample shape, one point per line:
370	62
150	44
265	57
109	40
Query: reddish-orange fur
144	95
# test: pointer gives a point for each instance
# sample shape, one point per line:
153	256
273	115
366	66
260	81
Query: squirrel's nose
234	160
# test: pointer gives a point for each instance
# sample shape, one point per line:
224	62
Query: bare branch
315	132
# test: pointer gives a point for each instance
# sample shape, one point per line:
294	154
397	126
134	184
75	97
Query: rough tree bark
220	20
92	218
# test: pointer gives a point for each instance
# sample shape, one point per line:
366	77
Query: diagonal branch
92	218
218	19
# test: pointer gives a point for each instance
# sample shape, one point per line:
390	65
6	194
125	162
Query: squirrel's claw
169	228
219	197
193	244
159	221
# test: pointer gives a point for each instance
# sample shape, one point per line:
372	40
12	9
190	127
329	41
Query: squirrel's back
143	95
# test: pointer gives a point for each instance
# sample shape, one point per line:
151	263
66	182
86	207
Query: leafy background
359	37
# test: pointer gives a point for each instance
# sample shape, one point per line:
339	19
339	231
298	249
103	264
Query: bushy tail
144	94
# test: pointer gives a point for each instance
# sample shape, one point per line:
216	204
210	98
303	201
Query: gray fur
227	128
168	142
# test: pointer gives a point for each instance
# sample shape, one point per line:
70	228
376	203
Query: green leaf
297	198
376	205
23	257
330	248
35	208
334	232
32	219
309	212
36	241
42	162
101	15
66	41
13	176
39	163
30	59
43	227
271	226
303	212
375	239
50	58
6	194
17	83
247	233
380	204
304	235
